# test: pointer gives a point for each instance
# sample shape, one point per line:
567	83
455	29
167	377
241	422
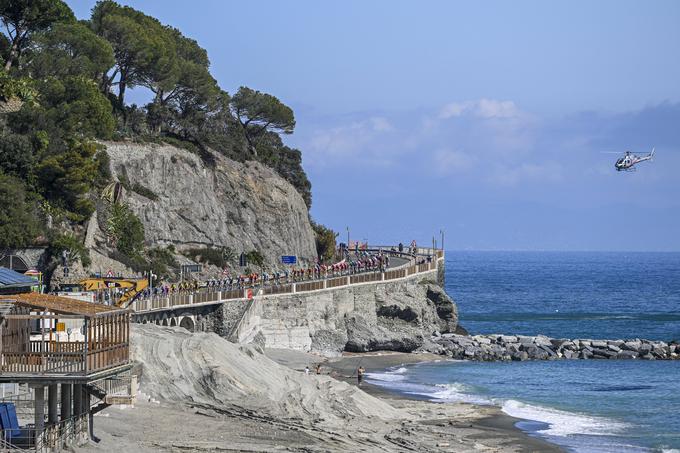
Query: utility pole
347	238
442	234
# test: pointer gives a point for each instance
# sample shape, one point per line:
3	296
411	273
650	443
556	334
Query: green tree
325	241
16	155
22	18
69	49
142	48
19	224
126	230
184	103
67	177
70	108
259	112
287	162
77	108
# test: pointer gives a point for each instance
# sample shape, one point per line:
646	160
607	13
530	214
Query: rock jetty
519	348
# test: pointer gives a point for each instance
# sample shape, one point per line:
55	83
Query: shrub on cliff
66	178
254	257
125	229
74	248
217	256
19	224
325	241
162	261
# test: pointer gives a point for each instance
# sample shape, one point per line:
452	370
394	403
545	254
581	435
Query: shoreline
496	420
492	422
199	392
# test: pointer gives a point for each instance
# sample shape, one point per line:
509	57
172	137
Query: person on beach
307	370
318	368
360	375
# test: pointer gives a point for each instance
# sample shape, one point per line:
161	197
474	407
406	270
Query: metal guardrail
52	438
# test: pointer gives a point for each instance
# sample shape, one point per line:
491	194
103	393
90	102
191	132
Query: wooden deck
105	333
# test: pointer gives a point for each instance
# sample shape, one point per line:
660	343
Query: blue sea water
586	405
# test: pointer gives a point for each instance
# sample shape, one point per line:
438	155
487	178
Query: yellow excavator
131	287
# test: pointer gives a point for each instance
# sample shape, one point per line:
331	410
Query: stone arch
173	322
187	323
165	322
14	262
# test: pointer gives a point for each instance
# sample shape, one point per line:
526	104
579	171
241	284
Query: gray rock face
244	206
396	315
363	337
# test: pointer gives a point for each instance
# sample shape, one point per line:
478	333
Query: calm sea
585	406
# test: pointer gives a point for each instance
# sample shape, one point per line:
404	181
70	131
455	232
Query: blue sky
483	118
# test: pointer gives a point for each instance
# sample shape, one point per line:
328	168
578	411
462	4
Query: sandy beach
492	421
202	393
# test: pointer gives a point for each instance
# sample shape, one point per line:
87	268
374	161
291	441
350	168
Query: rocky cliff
243	206
397	315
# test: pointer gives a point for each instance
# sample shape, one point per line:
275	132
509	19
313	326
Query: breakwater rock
519	347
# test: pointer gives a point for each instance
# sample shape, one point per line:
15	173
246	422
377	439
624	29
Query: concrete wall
397	315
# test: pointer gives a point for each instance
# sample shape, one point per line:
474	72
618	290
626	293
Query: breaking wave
563	423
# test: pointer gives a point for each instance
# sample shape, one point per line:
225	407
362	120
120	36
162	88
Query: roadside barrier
212	296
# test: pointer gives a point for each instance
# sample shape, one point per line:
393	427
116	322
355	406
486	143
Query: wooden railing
107	357
309	286
335	282
365	278
279	289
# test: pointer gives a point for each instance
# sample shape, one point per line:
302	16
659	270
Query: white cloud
448	161
482	108
380	124
491	141
361	141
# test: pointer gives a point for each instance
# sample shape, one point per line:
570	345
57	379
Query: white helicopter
629	160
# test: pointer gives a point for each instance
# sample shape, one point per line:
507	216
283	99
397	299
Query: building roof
12	279
62	305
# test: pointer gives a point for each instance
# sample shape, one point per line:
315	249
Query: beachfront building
61	361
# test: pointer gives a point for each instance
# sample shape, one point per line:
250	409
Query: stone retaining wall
396	315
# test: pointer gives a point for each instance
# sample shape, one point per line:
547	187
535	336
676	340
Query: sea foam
563	423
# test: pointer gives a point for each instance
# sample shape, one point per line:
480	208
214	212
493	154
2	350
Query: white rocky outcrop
207	370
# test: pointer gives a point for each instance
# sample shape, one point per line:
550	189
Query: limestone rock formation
244	206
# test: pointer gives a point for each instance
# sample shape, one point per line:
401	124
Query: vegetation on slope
64	84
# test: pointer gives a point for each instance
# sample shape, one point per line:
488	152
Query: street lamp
347	238
441	232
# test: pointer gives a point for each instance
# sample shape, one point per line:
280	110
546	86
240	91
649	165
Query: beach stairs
100	393
118	390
